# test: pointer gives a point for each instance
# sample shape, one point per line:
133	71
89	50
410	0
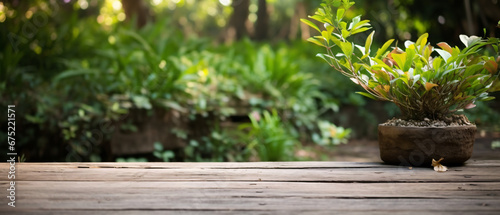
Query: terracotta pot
417	146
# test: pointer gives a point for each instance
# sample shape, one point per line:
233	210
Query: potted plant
429	88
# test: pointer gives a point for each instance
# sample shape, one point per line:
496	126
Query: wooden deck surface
251	188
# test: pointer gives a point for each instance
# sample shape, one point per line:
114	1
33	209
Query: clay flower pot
417	146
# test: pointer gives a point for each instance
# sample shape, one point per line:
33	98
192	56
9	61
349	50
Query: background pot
417	146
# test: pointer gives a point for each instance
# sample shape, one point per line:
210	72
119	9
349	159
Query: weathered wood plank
254	212
67	190
131	202
384	174
242	165
252	188
246	212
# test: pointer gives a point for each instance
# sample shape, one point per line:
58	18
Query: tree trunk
137	9
237	27
262	25
300	13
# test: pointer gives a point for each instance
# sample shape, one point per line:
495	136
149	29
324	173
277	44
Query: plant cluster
421	84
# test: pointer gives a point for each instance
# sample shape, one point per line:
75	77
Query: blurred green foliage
273	140
89	75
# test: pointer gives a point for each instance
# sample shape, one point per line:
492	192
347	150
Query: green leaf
422	41
310	24
360	30
70	73
410	54
345	33
316	41
330	29
323	56
384	47
363	23
354	22
336	40
318	18
336	3
488	98
400	60
368	42
340	14
347	49
367	95
326	36
436	63
444	54
158	146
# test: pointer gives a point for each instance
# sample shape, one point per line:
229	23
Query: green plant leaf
322	56
340	14
444	54
400	60
347	49
421	42
368	42
367	95
71	73
310	24
345	33
354	22
316	41
360	30
384	47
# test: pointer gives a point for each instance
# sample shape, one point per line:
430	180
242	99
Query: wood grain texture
252	188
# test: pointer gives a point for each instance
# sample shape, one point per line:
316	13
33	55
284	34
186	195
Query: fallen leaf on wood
439	167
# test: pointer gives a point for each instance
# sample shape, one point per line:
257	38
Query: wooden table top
251	188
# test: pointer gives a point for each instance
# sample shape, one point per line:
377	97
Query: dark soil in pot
416	143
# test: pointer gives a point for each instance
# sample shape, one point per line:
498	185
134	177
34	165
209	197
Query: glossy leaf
368	42
422	41
345	33
429	86
400	60
384	48
347	49
444	54
360	30
340	14
354	21
315	41
445	47
367	95
312	25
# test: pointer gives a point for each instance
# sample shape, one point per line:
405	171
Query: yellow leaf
439	167
315	41
387	88
381	90
429	86
422	41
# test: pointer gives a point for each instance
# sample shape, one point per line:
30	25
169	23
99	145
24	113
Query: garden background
207	80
